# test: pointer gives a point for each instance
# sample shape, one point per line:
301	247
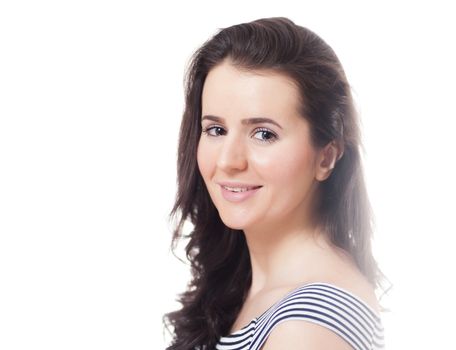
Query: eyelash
257	130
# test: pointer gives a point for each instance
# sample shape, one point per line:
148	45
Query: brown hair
219	258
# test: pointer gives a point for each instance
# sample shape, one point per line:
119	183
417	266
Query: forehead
231	91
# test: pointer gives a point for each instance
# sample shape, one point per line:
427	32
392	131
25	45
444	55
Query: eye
214	131
265	135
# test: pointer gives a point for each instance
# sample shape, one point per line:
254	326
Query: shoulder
294	335
342	271
334	318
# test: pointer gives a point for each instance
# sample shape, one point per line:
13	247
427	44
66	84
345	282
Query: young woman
270	176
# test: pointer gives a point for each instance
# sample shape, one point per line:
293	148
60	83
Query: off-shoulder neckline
245	328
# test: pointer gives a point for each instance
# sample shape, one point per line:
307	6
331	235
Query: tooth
238	189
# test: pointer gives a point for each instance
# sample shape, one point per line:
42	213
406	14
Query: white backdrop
91	95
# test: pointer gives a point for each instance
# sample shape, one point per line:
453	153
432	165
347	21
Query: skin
286	246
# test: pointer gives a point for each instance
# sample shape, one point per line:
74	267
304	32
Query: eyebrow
248	121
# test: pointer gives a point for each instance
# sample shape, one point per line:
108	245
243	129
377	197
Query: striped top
320	303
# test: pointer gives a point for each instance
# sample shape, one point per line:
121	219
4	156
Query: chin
234	223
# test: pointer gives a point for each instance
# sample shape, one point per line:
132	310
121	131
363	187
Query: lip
238	196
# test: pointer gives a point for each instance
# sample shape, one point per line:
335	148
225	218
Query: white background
91	96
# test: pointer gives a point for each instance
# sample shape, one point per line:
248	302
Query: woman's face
255	153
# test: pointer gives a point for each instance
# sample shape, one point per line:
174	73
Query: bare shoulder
359	287
366	293
346	275
298	334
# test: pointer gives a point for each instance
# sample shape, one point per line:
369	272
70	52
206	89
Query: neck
284	257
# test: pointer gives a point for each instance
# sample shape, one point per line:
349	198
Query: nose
232	155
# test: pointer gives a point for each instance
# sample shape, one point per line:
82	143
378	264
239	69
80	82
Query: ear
327	158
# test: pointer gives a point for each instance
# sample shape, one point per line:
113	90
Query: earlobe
328	157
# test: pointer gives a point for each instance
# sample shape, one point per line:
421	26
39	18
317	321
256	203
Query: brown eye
265	135
214	131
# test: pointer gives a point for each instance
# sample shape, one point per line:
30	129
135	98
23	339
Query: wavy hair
218	255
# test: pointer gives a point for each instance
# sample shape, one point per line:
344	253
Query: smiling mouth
240	189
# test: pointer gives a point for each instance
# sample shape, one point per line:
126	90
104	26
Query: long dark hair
219	258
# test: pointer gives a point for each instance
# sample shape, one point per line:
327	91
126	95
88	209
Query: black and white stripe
320	303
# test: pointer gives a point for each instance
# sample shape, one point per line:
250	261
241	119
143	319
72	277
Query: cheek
286	165
204	159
